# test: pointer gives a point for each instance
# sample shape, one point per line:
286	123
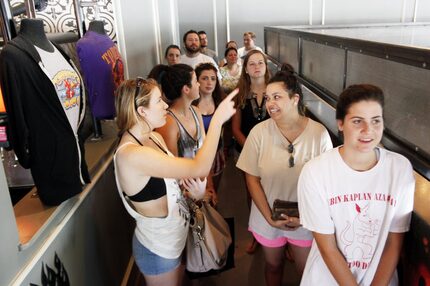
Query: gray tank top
187	145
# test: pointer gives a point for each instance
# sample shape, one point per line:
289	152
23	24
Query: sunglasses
290	150
139	82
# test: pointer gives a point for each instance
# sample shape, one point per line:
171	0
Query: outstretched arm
153	163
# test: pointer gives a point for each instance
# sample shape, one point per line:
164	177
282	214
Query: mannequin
45	104
32	30
98	27
102	69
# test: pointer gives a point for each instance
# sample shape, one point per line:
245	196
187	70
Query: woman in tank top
183	132
145	174
211	95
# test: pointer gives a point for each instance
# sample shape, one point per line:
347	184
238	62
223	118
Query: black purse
284	207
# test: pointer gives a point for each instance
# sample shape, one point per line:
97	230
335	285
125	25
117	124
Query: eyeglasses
139	82
291	159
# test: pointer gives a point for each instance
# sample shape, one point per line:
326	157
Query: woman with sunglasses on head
272	158
357	199
145	173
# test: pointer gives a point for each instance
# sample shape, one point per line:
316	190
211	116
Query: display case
85	239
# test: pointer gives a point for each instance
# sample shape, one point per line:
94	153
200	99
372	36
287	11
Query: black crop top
155	188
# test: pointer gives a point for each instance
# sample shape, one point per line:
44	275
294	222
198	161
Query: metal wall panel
167	34
93	245
324	65
407	98
423	11
196	15
139	36
364	11
8	233
289	50
253	15
272	44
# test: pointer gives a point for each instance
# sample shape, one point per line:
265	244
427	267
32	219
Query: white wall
136	35
143	47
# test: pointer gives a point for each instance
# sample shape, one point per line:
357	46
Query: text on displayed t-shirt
66	82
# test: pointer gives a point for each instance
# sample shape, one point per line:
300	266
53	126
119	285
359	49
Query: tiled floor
249	269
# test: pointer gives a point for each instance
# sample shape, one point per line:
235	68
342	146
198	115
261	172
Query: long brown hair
218	93
244	83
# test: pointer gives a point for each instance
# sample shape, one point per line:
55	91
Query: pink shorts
280	241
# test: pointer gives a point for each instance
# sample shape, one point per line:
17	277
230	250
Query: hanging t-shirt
103	72
66	81
359	208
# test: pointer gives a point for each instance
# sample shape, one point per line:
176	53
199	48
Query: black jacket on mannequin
39	130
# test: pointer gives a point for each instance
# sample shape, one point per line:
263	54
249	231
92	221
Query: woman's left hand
196	187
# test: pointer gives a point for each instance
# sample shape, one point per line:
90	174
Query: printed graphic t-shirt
359	208
66	81
103	71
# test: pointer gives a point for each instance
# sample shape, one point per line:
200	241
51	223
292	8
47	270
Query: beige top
265	155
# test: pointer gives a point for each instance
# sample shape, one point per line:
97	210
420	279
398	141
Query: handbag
284	207
208	238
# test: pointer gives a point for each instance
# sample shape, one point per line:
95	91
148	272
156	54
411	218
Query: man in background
192	55
248	45
204	46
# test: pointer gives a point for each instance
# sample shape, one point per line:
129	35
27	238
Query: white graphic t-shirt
66	82
359	208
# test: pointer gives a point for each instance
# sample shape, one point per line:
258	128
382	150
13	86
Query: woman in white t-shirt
357	199
272	158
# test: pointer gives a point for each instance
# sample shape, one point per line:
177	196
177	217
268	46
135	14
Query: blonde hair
127	101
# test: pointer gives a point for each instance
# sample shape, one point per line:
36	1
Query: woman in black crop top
142	164
250	104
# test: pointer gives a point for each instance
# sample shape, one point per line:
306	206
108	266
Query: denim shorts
150	263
